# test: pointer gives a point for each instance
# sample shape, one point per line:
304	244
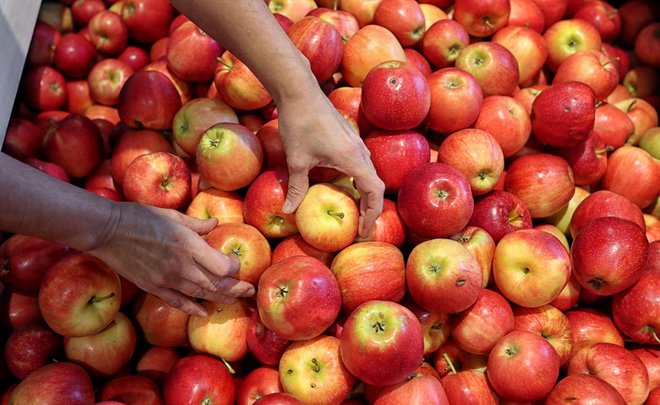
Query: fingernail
229	301
200	312
286	208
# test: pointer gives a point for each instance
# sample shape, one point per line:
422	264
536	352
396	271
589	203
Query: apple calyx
596	283
379	326
516	219
464	238
449	363
277	220
442	195
166	183
282	292
96	300
315	366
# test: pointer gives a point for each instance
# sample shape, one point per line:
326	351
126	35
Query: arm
313	132
158	250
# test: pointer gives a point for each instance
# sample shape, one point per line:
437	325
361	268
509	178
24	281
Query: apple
45	38
320	42
647	45
643	168
395	96
225	206
588	160
155	362
526	96
506	120
523	366
229	156
108	33
105	353
160	179
493	66
500	213
159	323
388	228
147	20
148	99
49	168
642	81
418	388
590	326
244	240
525	13
543	182
527	46
278	398
456	99
74	56
182	87
327	218
158	50
17	310
43	88
591	67
482	19
443	267
436	329
367	271
263	203
22	139
131	389
295	245
476	154
99	111
531	267
469	387
478	242
265	345
564	38
106	80
642	114
446	206
79	295
418	60
31	347
345	22
271	143
635	15
56	383
404	18
192	54
132	144
298	298
635	310
615	365
583	388
223	332
313	369
606	269
293	9
603	16
650	142
135	56
603	203
369	47
381	343
549	323
238	86
443	41
198	377
79	98
258	383
649	356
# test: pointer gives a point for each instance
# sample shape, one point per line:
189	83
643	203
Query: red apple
263	203
43	88
404	18
388	228
564	38
159	323
225	206
588	160
108	32
443	209
591	67
264	344
298	298
345	22
31	347
293	9
45	38
418	60
295	245
182	87
635	310
493	66
320	42
160	179
603	203
362	10
22	139
424	389
56	383
192	54
583	389
79	98
238	86
482	18
590	326
506	120
639	182
549	323
456	99
135	57
106	80
525	13
500	213
197	378
17	310
74	56
131	389
443	42
258	383
609	268
527	46
647	45
603	16
147	20
469	387
131	145
51	169
148	99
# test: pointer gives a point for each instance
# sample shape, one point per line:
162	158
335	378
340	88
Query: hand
315	134
161	252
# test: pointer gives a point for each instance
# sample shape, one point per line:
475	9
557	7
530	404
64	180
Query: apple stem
229	367
612	60
96	299
449	363
339	215
335	4
599	103
655	336
631	106
225	64
606	149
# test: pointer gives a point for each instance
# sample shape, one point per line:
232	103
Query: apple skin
131	145
549	323
258	383
74	56
395	154
506	120
649	355
588	160
583	389
592	67
527	46
43	88
477	155
611	267
456	99
238	86
445	206
285	293
531	267
192	54
615	365
312	370
500	213
639	165
229	156
22	139
160	179
643	115
223	332
197	378
482	18
591	326
563	114
367	271
636	310
564	38
388	228
543	182
525	13
295	245
646	45
155	362
443	267
56	383
79	295
135	57
613	125
523	366
469	387
131	389
369	47
346	23
320	42
436	328
104	353
106	78
376	336
183	87
478	242
263	201
295	10
278	398
148	99
493	66
225	206
443	42
31	347
265	345
147	20
108	32
423	389
45	38
604	203
404	18
271	143
395	96
17	310
159	323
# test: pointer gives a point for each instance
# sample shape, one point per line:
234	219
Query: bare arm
313	132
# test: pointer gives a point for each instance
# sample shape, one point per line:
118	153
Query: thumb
298	185
200	226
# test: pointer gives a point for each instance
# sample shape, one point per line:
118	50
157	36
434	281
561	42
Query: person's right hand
161	251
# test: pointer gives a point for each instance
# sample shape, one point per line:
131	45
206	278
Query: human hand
315	134
161	252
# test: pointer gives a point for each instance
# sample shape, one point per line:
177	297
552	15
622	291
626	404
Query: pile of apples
517	259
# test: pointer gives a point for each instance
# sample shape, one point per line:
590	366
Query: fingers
298	185
216	262
199	226
371	190
179	301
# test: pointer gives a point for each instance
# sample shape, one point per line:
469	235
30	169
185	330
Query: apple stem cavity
339	215
516	219
166	184
282	292
449	363
95	299
596	283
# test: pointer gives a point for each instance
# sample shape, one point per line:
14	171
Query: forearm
248	29
34	203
